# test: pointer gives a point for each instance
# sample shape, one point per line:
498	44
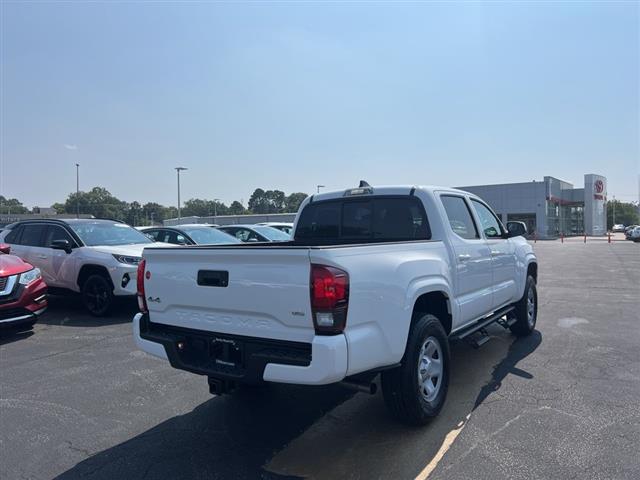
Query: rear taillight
329	299
142	301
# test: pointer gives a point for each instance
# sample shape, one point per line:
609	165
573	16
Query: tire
97	295
526	311
404	389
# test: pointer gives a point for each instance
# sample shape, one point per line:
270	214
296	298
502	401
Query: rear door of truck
254	291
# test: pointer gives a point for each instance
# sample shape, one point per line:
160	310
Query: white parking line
446	445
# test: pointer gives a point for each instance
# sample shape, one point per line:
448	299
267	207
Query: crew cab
94	257
374	280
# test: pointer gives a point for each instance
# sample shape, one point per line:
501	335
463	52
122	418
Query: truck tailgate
254	292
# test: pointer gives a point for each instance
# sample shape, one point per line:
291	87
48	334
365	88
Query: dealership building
551	207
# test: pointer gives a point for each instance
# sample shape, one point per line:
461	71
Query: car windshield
107	233
272	234
209	236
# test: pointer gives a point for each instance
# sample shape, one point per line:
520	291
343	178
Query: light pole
77	190
215	208
614	209
178	170
319	187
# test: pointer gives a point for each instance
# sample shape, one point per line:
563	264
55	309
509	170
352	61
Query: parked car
255	233
282	226
618	228
635	234
628	230
96	258
23	293
196	234
375	280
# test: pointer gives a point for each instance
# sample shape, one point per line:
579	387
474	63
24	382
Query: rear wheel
526	311
97	295
415	392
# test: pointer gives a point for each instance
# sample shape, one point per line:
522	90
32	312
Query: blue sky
288	96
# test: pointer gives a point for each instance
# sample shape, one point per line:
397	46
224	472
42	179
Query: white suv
96	258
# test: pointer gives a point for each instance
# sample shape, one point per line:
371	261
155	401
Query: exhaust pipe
364	387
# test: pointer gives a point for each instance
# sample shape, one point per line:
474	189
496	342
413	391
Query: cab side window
459	217
14	235
154	234
55	232
488	221
32	235
232	231
175	238
253	236
243	234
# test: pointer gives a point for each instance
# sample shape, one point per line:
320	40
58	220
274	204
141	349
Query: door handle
44	257
463	257
495	253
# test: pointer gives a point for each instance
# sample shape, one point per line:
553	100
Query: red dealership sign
598	189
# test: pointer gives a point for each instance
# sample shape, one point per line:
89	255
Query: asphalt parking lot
77	400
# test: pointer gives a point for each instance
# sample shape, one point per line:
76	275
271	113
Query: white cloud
70	146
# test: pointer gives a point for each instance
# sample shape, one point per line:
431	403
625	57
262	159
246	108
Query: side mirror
252	240
516	229
61	245
5	248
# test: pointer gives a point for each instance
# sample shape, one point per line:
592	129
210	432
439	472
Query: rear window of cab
363	220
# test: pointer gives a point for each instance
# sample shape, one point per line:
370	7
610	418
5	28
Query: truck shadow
67	310
236	436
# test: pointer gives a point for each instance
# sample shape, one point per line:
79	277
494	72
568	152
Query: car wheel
97	295
526	311
415	392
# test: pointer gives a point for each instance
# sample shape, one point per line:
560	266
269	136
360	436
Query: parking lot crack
83	451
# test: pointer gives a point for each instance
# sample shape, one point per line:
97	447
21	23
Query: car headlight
31	276
127	259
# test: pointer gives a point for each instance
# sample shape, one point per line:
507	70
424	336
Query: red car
23	293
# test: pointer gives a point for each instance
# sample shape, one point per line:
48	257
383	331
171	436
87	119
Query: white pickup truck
374	280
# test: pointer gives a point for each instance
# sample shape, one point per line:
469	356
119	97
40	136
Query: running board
480	325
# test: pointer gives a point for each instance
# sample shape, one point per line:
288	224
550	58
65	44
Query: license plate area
227	353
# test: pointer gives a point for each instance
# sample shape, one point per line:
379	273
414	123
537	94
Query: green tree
258	203
236	208
153	212
275	201
97	202
195	207
626	213
134	214
59	207
203	208
219	208
293	201
170	212
12	205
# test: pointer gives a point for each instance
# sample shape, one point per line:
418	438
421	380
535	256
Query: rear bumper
244	359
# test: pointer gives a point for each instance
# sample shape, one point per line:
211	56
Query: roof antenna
363	184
